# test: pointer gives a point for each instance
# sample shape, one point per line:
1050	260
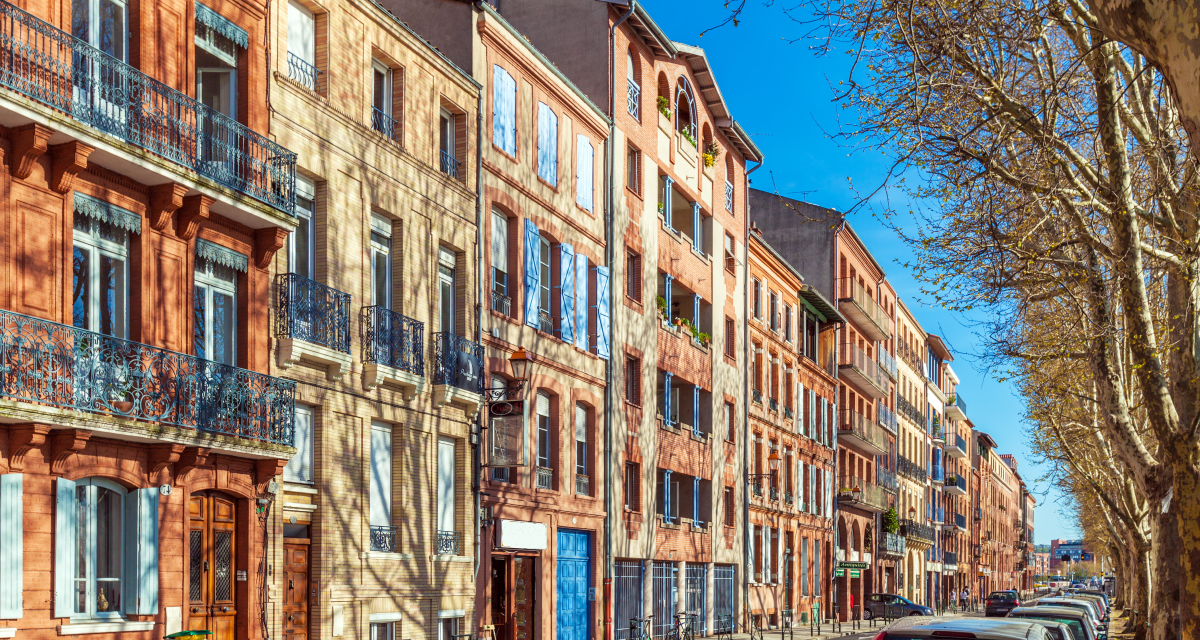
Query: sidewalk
804	632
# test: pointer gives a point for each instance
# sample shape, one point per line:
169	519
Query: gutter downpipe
610	370
746	535
477	434
836	341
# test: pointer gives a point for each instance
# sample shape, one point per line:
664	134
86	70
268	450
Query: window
447	461
635	90
99	509
633	380
545	322
730	254
633	276
545	477
449	625
300	467
804	566
383	631
504	111
381	475
730	339
685	108
451	165
581	449
381	261
729	522
730	423
215	312
301	247
547	156
774	311
501	300
102	24
100	290
447	289
585	175
216	64
381	99
787	322
668	496
633	170
302	46
633	486
757	301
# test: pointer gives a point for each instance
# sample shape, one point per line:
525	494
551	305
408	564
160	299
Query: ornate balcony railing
313	312
545	321
892	545
393	340
501	304
449	543
909	411
909	355
54	364
545	478
861	493
950	557
383	538
583	485
65	73
728	196
634	100
914	530
911	470
383	123
304	72
887	479
756	489
756	396
887	418
451	166
773	405
788	413
457	362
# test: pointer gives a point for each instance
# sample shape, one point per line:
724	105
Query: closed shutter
566	291
829	492
532	272
750	553
603	312
299	468
445	480
12	537
547	144
381	475
504	111
584	173
804	566
140	586
301	41
824	420
581	301
66	529
800	421
697	229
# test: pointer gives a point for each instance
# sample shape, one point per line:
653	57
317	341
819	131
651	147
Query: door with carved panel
212	547
295	594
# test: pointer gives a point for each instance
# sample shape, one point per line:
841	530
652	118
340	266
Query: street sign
852	565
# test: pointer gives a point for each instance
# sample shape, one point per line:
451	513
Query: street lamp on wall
513	390
772	464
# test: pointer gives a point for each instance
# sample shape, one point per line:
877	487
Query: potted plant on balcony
664	106
710	154
687	135
891	521
662	308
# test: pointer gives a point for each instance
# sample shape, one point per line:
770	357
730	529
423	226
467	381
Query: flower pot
123	406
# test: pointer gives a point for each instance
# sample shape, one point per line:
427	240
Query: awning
222	25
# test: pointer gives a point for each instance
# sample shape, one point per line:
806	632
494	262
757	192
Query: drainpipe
610	370
746	348
837	543
477	431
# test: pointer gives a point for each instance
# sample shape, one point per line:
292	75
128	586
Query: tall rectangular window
804	566
302	45
757	300
633	170
300	467
301	246
633	486
447	461
381	261
730	423
729	507
100	291
381	99
215	312
774	311
581	443
585	175
545	322
547	150
730	256
730	338
633	380
448	143
633	276
787	322
504	111
501	298
381	475
545	472
447	290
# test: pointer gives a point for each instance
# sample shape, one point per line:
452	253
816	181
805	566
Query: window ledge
299	486
104	627
299	506
459	559
292	351
8	632
375	374
385	555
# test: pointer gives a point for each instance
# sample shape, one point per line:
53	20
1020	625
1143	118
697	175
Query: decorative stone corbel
163	456
22	439
266	243
28	144
165	199
266	469
66	161
193	211
191	458
64	444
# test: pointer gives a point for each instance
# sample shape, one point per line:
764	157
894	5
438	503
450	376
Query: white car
921	628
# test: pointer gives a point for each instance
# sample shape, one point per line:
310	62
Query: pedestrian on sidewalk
966	595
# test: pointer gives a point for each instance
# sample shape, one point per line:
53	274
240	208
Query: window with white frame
787	322
446	466
381	261
500	256
381	475
300	467
382	119
581	446
215	308
383	631
545	322
100	264
544	430
757	301
301	246
302	45
547	157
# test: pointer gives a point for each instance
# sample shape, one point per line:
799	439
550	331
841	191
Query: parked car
999	603
1101	594
1005	629
1088	607
1078	620
890	605
1101	607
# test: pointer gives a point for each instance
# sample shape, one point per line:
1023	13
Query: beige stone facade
375	316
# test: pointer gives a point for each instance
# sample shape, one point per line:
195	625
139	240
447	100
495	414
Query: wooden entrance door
295	594
524	588
212	545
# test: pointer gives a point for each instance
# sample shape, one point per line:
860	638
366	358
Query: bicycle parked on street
683	629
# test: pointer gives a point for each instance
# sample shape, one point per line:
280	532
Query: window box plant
664	106
710	154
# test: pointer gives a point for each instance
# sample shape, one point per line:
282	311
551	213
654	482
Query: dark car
890	605
999	603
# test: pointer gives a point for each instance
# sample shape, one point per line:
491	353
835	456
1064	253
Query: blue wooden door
573	615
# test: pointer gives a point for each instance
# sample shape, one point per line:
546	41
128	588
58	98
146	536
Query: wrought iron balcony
393	340
310	311
909	355
501	304
956	447
756	489
937	473
950	557
583	485
451	166
545	478
911	470
956	485
383	123
787	497
58	365
855	365
728	196
774	495
960	521
756	396
887	479
887	418
383	538
907	409
956	408
918	532
788	413
458	362
56	69
304	72
892	546
773	405
868	316
634	100
449	543
862	494
859	432
545	321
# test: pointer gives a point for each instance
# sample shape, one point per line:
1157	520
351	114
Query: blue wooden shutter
603	311
696	310
696	410
533	250
510	114
697	228
498	86
66	529
696	501
140	586
547	152
584	173
12	553
667	182
581	301
566	291
666	495
667	280
667	398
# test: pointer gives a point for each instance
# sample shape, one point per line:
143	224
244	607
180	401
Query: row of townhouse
424	320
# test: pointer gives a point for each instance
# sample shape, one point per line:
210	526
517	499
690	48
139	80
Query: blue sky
781	92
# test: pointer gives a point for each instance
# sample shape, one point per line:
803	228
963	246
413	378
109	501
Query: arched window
685	108
664	95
